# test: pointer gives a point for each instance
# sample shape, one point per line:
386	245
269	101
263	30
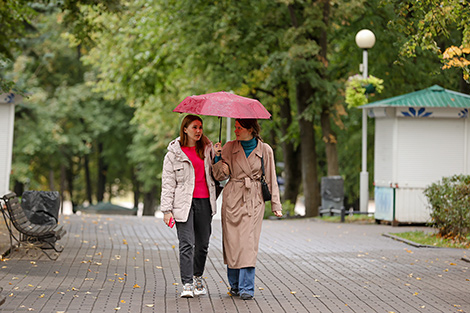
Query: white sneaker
199	287
187	291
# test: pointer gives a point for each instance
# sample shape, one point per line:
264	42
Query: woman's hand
167	217
225	169
278	213
218	149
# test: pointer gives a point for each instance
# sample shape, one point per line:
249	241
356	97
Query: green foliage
268	210
288	208
63	121
431	27
6	84
358	89
450	206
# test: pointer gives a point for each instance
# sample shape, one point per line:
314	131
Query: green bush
450	206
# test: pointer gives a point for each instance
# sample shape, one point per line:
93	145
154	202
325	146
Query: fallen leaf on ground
124	241
136	286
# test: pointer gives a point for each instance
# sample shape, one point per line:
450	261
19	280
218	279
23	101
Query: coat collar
242	160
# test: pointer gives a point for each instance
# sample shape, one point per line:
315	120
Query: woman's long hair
201	143
251	123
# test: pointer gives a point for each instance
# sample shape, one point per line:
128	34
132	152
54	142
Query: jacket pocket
179	173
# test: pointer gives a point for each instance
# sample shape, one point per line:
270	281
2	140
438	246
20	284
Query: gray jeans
193	236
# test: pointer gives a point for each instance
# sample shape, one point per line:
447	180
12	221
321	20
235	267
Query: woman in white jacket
188	196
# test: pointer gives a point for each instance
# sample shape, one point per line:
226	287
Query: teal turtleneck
249	145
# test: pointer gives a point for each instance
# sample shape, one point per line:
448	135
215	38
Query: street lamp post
365	39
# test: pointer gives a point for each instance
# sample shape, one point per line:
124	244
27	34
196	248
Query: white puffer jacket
178	181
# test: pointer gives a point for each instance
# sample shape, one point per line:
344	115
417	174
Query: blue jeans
242	279
193	236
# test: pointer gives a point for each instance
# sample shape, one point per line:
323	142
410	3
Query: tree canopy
104	76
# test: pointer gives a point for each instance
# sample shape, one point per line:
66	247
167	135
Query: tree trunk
329	137
62	187
18	188
292	174
69	177
311	186
51	180
88	179
136	189
102	169
150	202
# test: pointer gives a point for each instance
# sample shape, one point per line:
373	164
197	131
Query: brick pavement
129	264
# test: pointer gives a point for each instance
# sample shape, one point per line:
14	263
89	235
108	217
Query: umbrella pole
220	130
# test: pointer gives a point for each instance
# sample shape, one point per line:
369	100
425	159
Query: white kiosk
7	118
420	137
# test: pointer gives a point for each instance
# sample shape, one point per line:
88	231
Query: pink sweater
200	186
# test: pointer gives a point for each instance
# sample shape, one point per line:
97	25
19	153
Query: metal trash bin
332	194
41	207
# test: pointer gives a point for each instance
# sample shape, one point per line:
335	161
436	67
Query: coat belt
249	195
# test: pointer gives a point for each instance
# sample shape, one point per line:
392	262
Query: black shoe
234	292
246	296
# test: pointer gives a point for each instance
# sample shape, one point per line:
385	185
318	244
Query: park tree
77	134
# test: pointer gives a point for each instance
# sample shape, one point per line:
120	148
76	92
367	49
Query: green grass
431	239
355	218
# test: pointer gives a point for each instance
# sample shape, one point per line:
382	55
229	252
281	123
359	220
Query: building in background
420	137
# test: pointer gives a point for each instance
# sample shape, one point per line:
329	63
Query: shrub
450	206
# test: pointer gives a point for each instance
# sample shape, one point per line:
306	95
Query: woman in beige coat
243	205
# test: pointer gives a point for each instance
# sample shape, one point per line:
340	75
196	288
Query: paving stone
130	264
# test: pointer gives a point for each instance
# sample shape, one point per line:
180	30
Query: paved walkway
129	264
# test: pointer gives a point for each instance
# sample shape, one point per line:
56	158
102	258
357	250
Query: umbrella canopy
223	104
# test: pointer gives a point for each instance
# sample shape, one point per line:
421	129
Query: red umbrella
223	104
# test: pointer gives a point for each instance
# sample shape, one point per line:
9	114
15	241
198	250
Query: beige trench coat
243	205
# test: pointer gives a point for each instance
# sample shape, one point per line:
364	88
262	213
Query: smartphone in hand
171	223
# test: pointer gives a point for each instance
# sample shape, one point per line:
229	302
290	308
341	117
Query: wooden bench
42	237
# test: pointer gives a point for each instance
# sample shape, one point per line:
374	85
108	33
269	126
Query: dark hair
251	123
200	144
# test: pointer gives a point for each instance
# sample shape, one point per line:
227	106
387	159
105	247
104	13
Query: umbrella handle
220	130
